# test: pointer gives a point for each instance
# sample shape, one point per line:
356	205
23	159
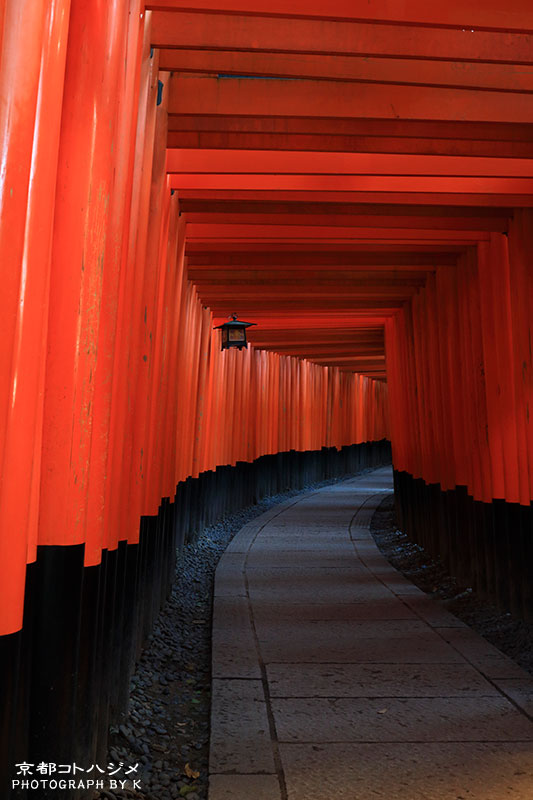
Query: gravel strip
512	636
167	729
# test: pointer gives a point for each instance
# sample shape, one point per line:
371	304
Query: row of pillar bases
488	547
65	677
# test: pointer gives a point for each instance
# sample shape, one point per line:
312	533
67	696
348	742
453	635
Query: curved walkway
334	676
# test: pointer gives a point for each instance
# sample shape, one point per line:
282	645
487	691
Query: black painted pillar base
65	677
488	546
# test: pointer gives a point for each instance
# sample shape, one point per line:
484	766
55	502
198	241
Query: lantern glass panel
234	333
237	335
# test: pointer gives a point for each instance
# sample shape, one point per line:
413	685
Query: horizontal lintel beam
393	128
269	97
337	259
349	183
334	143
398	198
455	223
222	162
472	75
314	278
205	31
456	13
216	231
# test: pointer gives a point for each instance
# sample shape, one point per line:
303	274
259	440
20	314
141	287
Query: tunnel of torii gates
354	177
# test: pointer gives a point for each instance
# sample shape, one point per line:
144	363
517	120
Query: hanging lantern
234	333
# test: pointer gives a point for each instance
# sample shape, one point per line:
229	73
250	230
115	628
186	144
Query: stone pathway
334	676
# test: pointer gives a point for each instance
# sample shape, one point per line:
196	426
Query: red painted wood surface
217	96
516	16
460	376
363	192
29	137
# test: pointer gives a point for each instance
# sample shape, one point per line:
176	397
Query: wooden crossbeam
351	221
277	320
393	128
334	143
356	183
237	231
367	147
462	200
310	258
515	15
249	97
367	281
251	246
267	34
252	162
217	205
444	74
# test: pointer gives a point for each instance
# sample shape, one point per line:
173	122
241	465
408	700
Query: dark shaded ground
167	729
512	636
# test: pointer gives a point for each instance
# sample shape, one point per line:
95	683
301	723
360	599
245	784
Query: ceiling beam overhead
331	160
336	143
444	74
366	222
228	162
427	184
515	15
190	94
464	200
268	34
310	258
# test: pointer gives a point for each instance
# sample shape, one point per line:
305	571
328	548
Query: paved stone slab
392	608
379	680
233	644
375	561
360	534
419	648
232	562
520	691
375	690
399	720
368	549
401	587
242	541
294	550
293	535
466	771
240	737
325	633
307	559
229	583
341	588
300	518
432	612
301	573
390	577
484	656
244	787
